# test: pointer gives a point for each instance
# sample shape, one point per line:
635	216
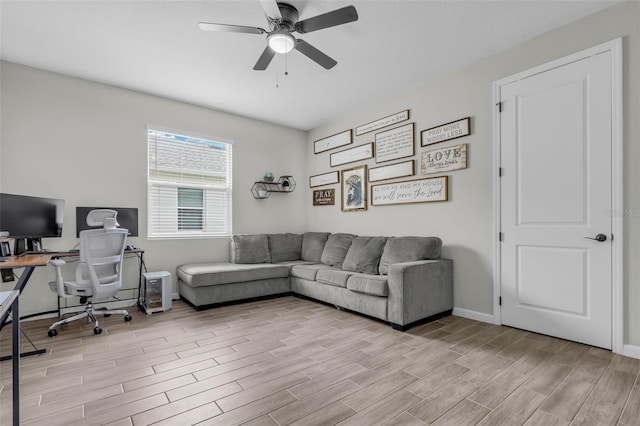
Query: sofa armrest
419	289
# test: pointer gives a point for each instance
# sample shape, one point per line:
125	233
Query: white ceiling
156	47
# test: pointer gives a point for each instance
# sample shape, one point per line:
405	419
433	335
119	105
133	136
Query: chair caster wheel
53	332
127	318
97	330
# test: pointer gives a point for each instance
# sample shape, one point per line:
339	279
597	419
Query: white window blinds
189	186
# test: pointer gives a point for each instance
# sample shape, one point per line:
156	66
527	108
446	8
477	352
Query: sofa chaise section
206	285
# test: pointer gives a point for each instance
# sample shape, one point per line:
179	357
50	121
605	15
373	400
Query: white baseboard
127	303
631	351
39	317
474	315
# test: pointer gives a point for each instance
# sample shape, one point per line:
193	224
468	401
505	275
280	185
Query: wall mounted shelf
262	189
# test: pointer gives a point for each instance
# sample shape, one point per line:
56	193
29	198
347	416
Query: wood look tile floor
292	361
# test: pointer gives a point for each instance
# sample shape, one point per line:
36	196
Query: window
189	185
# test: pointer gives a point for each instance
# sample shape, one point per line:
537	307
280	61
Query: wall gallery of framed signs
391	142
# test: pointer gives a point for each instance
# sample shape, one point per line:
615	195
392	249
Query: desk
139	253
29	263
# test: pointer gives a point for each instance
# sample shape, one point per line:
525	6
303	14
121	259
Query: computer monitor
127	218
28	219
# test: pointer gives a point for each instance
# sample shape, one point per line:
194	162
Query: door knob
599	238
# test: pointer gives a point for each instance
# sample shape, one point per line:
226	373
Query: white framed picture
324	179
357	153
406	168
333	141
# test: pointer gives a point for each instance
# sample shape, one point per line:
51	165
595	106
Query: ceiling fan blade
329	19
271	8
314	54
225	28
265	59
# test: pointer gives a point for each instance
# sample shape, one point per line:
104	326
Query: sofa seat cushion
375	285
334	277
364	255
409	249
284	247
206	274
307	272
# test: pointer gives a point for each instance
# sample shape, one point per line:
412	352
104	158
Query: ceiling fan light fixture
281	42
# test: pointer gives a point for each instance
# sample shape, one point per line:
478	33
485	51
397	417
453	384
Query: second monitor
127	218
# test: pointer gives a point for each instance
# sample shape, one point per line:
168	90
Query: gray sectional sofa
400	280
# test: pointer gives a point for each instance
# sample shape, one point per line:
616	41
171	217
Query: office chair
99	273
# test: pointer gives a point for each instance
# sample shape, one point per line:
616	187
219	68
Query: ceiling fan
283	20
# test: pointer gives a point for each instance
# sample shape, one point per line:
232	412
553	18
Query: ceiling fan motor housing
289	19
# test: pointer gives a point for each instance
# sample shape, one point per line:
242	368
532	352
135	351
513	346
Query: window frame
157	184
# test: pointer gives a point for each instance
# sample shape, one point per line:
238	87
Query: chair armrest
57	262
419	290
58	285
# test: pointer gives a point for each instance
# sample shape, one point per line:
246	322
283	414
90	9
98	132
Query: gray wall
85	142
465	222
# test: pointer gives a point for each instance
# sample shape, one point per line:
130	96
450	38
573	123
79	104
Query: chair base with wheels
89	313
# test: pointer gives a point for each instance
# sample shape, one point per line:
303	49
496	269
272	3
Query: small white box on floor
156	291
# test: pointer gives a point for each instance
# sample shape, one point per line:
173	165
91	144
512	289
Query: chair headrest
103	217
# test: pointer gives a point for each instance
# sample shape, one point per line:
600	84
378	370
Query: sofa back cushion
250	249
313	245
284	247
364	255
336	249
409	249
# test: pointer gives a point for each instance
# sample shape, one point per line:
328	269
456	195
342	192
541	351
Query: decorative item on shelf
262	189
268	177
287	183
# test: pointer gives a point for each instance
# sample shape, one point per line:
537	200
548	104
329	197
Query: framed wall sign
324	197
445	132
324	179
354	189
395	143
406	168
411	191
383	122
444	159
357	153
334	141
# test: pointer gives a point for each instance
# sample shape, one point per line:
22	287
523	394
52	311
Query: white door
556	197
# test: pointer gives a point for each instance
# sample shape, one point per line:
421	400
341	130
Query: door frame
617	208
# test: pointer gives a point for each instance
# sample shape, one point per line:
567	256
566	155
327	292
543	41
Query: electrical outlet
7	275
